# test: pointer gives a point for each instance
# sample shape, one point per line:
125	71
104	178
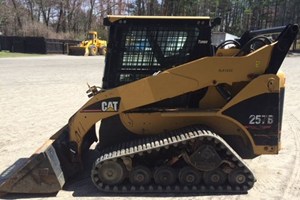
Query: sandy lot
39	94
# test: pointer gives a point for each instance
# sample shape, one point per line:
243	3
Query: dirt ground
39	94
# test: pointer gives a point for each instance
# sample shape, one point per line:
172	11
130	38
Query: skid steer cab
177	113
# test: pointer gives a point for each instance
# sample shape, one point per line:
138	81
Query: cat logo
107	105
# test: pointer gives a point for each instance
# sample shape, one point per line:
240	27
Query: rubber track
147	145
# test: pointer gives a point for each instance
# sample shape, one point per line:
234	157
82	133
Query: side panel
260	116
261	112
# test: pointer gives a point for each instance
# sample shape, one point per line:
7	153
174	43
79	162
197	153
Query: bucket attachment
41	173
78	51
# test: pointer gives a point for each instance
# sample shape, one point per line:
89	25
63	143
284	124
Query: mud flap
41	173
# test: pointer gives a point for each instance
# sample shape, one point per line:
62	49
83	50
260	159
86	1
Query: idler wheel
189	176
214	178
111	172
165	176
140	175
237	177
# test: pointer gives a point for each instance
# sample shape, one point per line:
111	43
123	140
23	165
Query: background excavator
177	113
91	46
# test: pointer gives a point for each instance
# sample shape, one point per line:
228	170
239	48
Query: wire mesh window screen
151	49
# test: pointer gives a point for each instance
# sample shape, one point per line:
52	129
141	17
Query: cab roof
110	19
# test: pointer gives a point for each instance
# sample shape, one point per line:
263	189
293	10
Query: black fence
38	45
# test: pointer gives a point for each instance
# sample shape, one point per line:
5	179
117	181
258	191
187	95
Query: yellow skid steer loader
177	113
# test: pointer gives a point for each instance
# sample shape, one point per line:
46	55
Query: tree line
71	19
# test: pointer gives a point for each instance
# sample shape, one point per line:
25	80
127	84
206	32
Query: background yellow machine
91	46
177	114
